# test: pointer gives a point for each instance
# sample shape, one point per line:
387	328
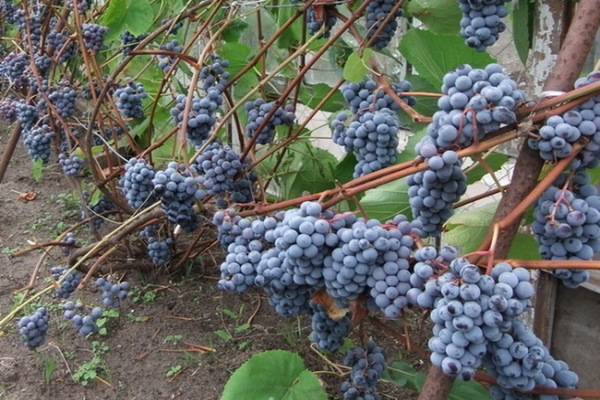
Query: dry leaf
335	313
29	196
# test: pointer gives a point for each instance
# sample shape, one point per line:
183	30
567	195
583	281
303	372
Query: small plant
107	315
173	340
91	370
173	371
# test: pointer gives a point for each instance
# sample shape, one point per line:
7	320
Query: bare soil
176	336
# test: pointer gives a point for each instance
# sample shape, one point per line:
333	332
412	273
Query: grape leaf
356	66
439	16
273	374
36	169
387	201
522	22
133	15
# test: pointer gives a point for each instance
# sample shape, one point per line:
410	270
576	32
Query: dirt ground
175	337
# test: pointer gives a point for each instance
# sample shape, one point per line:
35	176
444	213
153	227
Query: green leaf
133	15
36	169
522	20
469	390
387	201
403	375
524	247
344	170
466	230
425	105
293	34
439	16
495	161
434	55
356	66
274	374
237	54
234	30
312	95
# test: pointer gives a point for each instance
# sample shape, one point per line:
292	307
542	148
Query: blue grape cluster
376	13
84	324
228	226
129	99
327	333
112	293
567	225
13	68
70	241
429	264
33	328
474	312
214	75
63	99
71	164
30	26
520	361
238	271
43	65
137	183
69	284
218	166
159	250
58	43
367	96
38	142
103	205
8	110
475	102
27	115
201	116
556	137
433	192
174	28
82	5
481	22
367	366
165	62
314	23
178	191
257	111
130	41
373	137
93	37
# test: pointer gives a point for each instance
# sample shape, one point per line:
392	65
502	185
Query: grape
158	250
8	110
63	99
328	334
568	235
93	36
130	41
178	191
38	142
376	13
12	69
367	96
84	324
27	116
165	62
328	18
82	5
129	99
137	183
69	239
174	28
257	111
69	284
238	271
367	366
102	206
112	293
33	328
481	22
214	76
30	25
201	116
58	43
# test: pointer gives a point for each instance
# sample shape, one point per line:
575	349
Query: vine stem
552	264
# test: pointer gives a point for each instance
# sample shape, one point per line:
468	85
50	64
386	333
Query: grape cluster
376	12
82	5
130	41
69	240
367	96
373	136
201	116
556	138
238	271
429	264
214	75
102	206
567	225
27	115
71	164
33	328
93	37
112	293
58	43
63	99
30	25
137	183
159	251
314	23
129	99
38	142
475	102
165	62
178	191
13	67
258	110
43	65
69	284
519	361
367	366
228	226
327	333
433	192
473	313
84	324
8	110
218	166
174	28
481	22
